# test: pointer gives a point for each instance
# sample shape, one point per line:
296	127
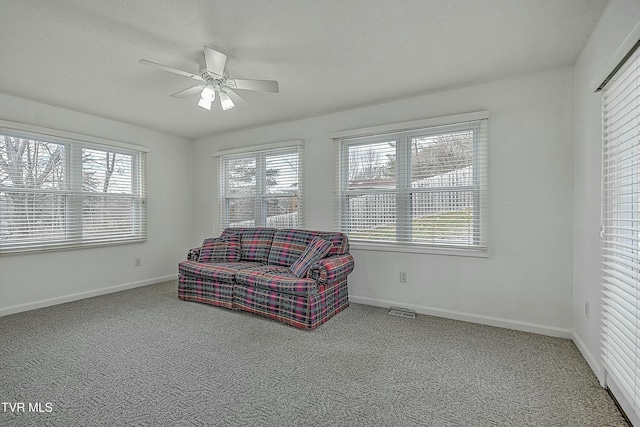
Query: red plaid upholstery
193	254
271	290
221	249
255	242
296	310
315	251
288	245
277	278
327	303
332	269
200	290
224	272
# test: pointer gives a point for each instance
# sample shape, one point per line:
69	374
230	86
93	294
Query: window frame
72	231
260	154
403	134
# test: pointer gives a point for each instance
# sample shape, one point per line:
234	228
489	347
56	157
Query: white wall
617	21
525	283
34	280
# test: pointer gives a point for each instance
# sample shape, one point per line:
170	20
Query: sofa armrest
331	269
193	254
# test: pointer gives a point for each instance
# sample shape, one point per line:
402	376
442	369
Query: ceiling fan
215	82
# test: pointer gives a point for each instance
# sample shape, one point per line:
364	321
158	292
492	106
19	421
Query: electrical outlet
587	308
403	276
137	262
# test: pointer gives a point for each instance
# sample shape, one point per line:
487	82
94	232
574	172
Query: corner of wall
192	189
593	363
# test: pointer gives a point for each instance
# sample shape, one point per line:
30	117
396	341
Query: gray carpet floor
143	357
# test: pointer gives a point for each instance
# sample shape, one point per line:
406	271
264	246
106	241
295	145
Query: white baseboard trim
468	317
82	295
593	363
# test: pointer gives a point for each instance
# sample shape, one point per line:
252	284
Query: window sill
390	247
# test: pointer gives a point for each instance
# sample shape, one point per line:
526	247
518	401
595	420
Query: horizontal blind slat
623	354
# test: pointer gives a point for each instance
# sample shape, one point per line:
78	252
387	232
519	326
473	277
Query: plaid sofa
261	281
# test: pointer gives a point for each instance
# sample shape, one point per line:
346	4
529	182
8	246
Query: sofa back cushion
289	244
255	243
221	249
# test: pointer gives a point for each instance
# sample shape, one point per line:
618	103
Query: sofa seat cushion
277	278
221	272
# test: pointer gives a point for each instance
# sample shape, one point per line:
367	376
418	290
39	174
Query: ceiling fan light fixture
225	101
207	96
204	103
208	93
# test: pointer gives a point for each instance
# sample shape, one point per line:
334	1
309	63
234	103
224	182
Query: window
421	186
621	233
262	187
58	192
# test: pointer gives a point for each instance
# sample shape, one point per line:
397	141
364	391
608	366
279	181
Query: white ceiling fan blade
237	99
192	91
259	85
171	70
215	61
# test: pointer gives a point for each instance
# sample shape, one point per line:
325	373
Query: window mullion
74	201
138	195
403	184
261	190
224	190
477	202
343	214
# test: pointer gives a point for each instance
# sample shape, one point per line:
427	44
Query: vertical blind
58	193
424	187
262	188
621	231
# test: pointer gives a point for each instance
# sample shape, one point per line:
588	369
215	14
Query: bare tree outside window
49	194
26	166
109	176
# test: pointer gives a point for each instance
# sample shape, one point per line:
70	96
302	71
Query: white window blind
60	193
418	187
262	188
621	231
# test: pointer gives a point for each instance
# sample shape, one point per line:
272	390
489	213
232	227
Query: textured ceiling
327	55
